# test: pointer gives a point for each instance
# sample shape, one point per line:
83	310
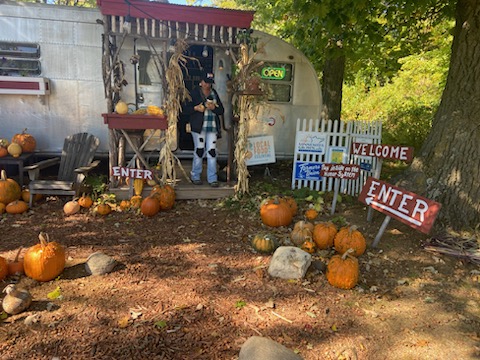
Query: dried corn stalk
176	94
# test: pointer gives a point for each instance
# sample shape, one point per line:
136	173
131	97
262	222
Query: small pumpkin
3	268
44	261
165	194
311	214
15	267
71	207
104	209
308	246
26	141
2	208
3	151
125	205
136	201
350	238
274	212
121	107
301	231
150	206
26	196
16	207
324	234
264	243
85	201
9	189
343	270
14	149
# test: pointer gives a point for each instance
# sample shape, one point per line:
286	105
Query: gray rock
99	263
289	262
16	300
260	348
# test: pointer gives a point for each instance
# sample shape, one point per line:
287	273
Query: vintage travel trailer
52	78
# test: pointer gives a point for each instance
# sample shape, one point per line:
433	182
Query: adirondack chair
75	163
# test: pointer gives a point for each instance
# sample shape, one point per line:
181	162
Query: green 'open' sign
273	73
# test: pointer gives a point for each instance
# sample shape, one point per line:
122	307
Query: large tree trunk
448	167
332	83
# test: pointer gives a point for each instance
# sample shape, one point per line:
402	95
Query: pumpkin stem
44	238
18	254
347	253
4	175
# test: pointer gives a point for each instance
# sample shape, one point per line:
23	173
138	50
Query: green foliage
97	183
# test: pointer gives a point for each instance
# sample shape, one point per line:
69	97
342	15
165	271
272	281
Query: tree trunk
332	84
447	169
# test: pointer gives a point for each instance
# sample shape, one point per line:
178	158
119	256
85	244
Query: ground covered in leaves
189	286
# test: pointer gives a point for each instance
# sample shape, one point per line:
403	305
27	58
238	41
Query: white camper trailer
51	79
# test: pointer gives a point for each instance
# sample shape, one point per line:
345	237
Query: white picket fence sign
335	135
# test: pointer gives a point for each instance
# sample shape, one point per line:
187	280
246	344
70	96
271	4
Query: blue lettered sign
307	171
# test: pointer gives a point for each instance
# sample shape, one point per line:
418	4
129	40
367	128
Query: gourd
275	212
350	238
150	206
125	205
154	110
343	270
301	231
264	243
9	189
16	266
71	207
104	209
3	151
4	143
138	186
26	141
308	245
311	214
26	196
136	201
3	268
121	107
85	201
324	234
14	149
44	261
16	207
165	194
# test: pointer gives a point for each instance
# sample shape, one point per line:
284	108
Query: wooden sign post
409	208
339	172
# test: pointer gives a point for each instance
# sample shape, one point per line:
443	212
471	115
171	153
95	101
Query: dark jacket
195	117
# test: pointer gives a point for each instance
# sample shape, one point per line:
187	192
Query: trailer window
279	78
19	59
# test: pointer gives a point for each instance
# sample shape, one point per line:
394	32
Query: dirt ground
190	286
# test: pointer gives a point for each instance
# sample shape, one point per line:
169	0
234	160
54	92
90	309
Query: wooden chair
75	163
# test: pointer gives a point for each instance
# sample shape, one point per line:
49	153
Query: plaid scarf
209	123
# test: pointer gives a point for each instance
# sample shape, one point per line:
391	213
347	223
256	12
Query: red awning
181	13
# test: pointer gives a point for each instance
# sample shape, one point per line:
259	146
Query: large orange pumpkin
9	189
324	234
165	194
3	268
343	270
350	238
275	212
26	141
44	261
16	207
150	206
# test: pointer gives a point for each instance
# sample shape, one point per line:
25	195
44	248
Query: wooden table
19	161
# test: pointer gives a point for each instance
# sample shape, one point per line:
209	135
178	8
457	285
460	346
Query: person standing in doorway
204	110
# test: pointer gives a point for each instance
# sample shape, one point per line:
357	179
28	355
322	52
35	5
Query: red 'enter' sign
411	209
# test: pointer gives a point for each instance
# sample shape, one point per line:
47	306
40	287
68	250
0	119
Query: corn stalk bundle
176	94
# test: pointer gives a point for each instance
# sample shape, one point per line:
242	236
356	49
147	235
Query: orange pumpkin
308	245
150	206
350	238
275	212
165	194
16	207
9	189
85	201
2	208
292	204
44	261
125	205
3	151
324	234
3	268
26	141
343	270
104	209
311	214
26	196
16	266
71	207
